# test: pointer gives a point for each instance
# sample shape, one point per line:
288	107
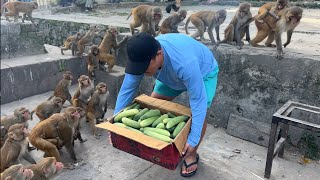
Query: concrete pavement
218	158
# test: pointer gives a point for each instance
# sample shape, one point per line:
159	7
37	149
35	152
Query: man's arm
128	89
193	80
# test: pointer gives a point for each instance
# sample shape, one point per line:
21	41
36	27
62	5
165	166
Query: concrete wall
55	32
19	39
28	76
253	84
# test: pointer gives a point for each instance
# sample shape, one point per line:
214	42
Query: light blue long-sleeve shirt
186	63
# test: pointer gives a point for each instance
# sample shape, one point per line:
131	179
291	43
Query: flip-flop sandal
188	165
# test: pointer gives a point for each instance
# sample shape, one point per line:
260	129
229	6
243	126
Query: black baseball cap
141	47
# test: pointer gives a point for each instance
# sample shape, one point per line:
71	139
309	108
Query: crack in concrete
14	92
143	171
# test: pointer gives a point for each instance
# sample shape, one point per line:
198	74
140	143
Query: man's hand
188	150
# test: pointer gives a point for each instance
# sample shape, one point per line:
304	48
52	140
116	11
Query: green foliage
308	147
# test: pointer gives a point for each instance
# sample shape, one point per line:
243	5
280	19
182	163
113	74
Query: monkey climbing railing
283	116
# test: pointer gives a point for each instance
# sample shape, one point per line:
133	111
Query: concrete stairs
22	77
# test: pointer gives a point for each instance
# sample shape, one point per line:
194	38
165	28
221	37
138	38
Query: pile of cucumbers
151	122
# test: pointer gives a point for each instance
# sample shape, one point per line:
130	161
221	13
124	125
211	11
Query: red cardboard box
165	154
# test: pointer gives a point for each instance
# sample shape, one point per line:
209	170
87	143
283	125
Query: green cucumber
159	120
171	115
148	122
151	113
178	129
157	136
161	126
130	107
127	113
176	121
130	122
120	124
141	113
159	131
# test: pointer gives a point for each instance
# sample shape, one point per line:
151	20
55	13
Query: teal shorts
210	83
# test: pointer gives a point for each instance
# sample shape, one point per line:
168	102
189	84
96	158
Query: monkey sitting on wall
171	23
47	108
210	19
62	89
17	172
15	147
233	32
268	9
148	16
272	28
86	39
175	6
99	56
15	7
271	8
71	43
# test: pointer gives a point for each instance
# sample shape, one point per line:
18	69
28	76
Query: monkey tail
50	97
186	26
129	15
31	114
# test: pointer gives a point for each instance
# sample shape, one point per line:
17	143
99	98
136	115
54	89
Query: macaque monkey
20	115
17	172
86	39
97	106
83	93
233	32
271	8
272	28
77	133
62	89
175	6
47	108
54	132
71	43
92	61
148	16
210	19
99	56
15	7
287	23
171	23
15	147
45	169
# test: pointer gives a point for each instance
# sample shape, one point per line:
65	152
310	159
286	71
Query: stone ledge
32	75
27	76
249	130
